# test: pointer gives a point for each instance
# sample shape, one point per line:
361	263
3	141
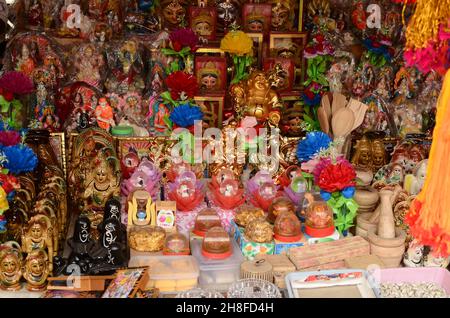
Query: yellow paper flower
237	42
3	201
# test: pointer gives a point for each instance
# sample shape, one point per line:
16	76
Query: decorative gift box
250	249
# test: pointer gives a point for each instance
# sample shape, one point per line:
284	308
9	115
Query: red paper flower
183	38
336	177
16	82
320	38
9	138
181	85
8	95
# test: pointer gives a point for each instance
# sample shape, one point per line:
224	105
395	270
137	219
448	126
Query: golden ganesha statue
255	97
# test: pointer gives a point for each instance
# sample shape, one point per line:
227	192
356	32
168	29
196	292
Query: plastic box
218	274
170	273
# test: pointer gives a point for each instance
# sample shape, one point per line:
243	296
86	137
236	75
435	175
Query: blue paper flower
325	195
313	143
20	159
312	102
348	192
185	115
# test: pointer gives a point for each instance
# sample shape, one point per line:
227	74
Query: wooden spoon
339	101
359	110
323	120
342	122
325	103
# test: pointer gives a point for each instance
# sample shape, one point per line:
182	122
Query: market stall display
224	148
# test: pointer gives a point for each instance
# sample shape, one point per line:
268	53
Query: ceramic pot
366	196
363	224
390	250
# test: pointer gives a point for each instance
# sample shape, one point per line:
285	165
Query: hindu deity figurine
292	121
10	266
363	154
378	154
174	13
102	183
81	243
414	182
88	64
126	67
35	14
228	12
283	15
204	24
25	62
384	87
255	97
104	114
38	234
36	270
318	12
359	16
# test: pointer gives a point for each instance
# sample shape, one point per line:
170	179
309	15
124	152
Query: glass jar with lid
319	219
217	244
176	244
206	219
287	227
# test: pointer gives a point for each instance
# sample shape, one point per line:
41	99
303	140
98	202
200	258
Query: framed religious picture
58	144
127	283
212	107
209	51
257	47
290	45
288	72
257	17
211	74
203	21
134	149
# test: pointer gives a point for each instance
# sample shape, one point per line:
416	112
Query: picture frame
156	149
203	21
127	283
58	144
258	40
301	5
212	107
290	45
288	68
211	73
289	99
256	17
210	51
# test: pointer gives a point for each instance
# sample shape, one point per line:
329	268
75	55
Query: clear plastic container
218	274
170	273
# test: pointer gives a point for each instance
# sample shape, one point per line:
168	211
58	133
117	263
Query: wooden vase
386	224
363	225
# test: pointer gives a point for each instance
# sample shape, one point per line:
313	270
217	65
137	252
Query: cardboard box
363	262
281	266
332	253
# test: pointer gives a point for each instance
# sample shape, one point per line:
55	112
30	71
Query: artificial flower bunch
13	83
240	46
332	174
379	50
318	52
183	44
15	158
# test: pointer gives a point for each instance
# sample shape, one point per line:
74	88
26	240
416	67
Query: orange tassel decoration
429	215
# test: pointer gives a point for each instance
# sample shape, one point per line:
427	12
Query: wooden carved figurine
36	270
38	235
10	266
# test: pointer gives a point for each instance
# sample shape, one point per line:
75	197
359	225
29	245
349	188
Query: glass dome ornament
206	219
287	228
176	244
253	288
319	220
217	244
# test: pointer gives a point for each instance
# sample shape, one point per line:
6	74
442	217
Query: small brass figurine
36	270
378	154
363	155
10	266
38	235
255	97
